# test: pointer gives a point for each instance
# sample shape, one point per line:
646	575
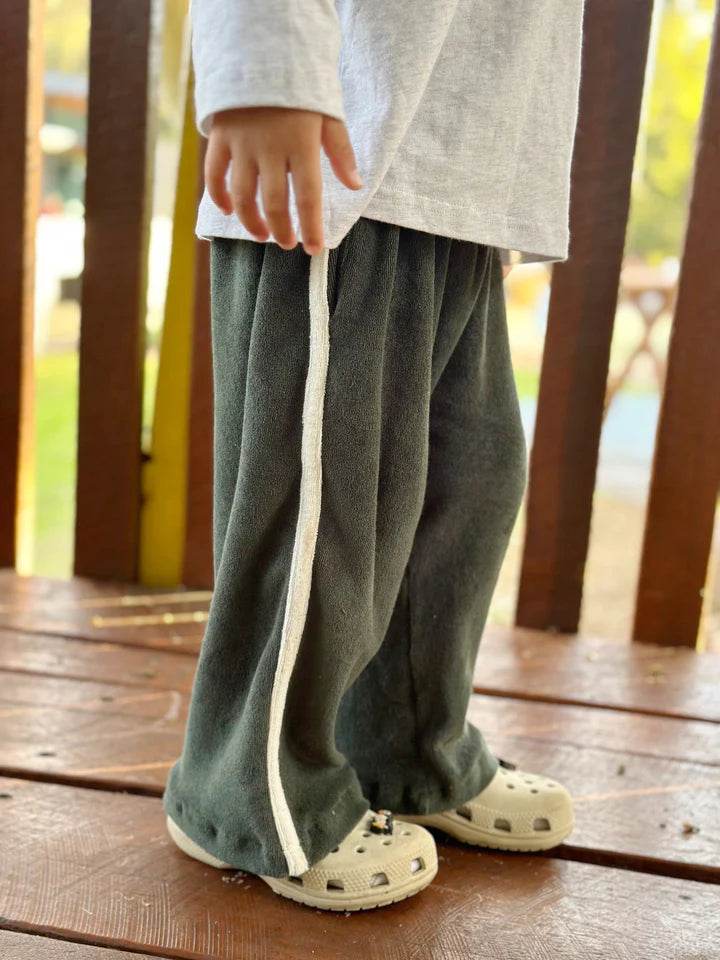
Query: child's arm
268	96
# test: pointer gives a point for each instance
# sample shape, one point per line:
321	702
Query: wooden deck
94	686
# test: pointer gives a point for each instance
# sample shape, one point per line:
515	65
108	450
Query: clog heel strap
517	810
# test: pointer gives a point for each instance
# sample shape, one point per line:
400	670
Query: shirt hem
519	241
528	241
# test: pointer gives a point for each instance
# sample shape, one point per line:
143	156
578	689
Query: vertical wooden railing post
165	487
198	564
563	460
124	48
686	468
21	107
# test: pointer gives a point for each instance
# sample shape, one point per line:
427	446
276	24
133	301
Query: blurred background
679	47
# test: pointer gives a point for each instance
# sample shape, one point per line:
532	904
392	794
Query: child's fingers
274	189
337	146
217	158
307	185
243	185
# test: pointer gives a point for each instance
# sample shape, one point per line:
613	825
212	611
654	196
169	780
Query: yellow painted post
24	546
162	522
710	602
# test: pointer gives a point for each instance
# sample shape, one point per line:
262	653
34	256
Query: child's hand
269	142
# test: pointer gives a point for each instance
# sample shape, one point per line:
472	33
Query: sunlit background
679	48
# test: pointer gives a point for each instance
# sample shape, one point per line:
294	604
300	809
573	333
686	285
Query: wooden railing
113	534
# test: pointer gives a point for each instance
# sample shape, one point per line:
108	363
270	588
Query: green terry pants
370	463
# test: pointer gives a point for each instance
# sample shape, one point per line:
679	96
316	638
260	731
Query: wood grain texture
667	681
83	863
630	803
686	467
32	654
96	734
583	297
118	194
32	592
530	664
651	735
21	74
633	733
25	946
32	663
104	610
145	629
656	814
24	657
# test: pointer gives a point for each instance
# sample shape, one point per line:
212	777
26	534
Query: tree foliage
663	174
67	26
66	35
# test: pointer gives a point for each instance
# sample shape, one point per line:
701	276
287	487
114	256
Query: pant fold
423	472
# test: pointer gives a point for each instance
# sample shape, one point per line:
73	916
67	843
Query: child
370	459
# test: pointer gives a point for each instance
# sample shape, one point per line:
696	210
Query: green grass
56	384
56	399
527	383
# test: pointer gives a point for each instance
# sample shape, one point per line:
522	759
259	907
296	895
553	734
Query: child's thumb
337	146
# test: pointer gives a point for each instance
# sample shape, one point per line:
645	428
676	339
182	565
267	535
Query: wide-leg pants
370	463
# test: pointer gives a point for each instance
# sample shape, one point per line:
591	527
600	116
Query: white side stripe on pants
303	553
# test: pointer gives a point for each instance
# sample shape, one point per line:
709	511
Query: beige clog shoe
516	811
366	870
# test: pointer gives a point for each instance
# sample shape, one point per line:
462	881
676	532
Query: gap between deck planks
25	946
112	611
633	804
638	757
662	682
99	868
657	681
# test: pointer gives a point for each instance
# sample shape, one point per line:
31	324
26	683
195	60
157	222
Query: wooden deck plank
662	681
171	675
667	681
34	654
97	865
112	611
24	946
637	808
30	592
96	734
118	737
633	733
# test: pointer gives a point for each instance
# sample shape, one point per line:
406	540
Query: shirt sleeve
265	53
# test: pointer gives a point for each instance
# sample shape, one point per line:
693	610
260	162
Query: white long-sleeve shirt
461	113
